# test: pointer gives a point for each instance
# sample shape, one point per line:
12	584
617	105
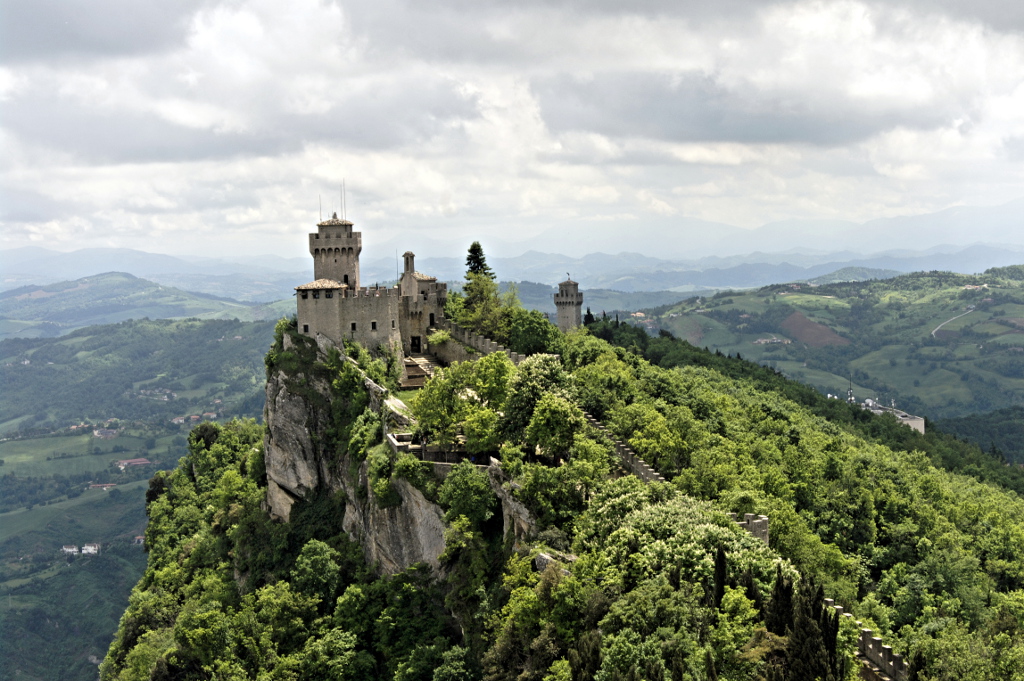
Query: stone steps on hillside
417	369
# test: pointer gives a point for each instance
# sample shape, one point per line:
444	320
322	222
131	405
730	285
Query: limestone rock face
516	518
293	461
298	462
397	537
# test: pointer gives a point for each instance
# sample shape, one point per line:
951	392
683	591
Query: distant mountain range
270	278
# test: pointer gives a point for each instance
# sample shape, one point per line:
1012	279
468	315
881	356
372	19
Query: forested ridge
646	581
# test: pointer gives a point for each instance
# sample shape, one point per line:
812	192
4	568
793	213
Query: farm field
96	515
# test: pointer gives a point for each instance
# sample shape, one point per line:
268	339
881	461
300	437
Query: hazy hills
35	311
269	278
689	255
940	344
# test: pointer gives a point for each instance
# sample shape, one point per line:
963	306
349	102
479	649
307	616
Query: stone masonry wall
481	344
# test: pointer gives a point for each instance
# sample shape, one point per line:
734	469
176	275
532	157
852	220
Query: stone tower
569	302
335	249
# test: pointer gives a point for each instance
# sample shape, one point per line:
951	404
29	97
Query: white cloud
458	118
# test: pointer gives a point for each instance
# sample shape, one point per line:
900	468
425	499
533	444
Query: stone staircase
416	370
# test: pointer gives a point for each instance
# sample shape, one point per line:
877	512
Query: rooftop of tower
334	220
321	284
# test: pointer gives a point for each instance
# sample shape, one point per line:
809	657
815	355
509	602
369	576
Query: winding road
949	320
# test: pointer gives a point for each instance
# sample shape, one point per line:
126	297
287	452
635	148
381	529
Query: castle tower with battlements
335	305
569	303
335	249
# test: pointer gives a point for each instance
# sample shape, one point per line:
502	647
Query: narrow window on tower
353	326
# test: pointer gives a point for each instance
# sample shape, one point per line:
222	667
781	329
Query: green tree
467	492
481	305
316	571
476	263
554	424
530	332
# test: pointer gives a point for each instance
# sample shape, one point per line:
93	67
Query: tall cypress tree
752	591
779	616
807	655
476	263
721	574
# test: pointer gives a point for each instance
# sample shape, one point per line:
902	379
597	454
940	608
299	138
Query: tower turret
568	303
335	248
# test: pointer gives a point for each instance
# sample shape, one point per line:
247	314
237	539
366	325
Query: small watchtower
569	302
335	249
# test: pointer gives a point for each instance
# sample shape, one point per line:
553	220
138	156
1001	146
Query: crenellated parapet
627	456
477	342
756	525
877	658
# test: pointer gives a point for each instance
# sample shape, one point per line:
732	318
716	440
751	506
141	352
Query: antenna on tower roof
320	201
344	201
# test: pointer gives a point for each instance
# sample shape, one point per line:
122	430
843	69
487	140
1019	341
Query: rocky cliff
299	455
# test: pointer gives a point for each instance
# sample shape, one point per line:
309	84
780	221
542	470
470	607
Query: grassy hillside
58	614
940	344
130	379
47	311
149	370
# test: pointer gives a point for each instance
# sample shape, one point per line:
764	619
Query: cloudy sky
212	127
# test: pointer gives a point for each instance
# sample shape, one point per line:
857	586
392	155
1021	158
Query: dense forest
645	581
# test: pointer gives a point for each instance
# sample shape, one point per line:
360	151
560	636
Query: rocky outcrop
292	459
298	461
299	458
399	536
516	518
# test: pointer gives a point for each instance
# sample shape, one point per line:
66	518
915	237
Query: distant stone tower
569	302
335	249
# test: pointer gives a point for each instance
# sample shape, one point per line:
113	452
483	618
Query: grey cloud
1013	147
693	107
51	29
395	115
1001	15
20	205
451	29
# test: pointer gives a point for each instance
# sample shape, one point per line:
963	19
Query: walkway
949	320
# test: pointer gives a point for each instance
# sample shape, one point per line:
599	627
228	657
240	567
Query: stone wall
373	312
757	525
453	351
481	344
634	463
